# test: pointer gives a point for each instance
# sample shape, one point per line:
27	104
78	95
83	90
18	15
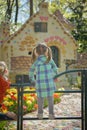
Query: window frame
42	27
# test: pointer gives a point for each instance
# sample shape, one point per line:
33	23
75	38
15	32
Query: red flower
24	98
56	95
13	97
4	107
36	106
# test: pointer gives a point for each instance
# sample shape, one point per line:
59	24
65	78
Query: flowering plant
29	101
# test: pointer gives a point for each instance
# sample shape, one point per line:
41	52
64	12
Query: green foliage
2	10
79	81
53	7
82	46
3	125
79	19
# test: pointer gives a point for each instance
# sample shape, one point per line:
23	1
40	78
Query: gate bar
56	118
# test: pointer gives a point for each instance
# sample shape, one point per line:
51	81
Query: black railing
83	92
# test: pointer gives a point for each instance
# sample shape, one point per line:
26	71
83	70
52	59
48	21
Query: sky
23	14
23	10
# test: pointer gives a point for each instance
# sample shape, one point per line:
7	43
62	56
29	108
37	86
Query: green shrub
3	124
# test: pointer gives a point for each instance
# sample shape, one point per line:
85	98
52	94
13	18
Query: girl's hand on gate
56	80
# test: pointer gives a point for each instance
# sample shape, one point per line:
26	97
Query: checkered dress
45	72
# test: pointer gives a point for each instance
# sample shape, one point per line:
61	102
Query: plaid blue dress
45	85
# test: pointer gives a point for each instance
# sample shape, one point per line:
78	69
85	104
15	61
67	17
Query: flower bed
29	101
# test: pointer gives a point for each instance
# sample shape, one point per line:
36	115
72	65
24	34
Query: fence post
19	108
85	99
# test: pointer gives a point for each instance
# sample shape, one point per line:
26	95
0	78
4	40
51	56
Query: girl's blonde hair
3	69
41	49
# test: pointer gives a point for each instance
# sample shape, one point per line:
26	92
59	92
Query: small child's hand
56	80
32	82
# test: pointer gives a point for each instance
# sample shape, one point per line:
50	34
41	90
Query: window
40	27
22	79
55	55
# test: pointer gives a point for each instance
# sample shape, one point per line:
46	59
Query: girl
4	85
45	69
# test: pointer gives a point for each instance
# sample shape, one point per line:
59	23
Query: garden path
70	105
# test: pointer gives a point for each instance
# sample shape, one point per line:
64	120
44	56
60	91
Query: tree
31	7
10	5
78	17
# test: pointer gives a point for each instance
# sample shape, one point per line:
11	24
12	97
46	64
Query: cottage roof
63	20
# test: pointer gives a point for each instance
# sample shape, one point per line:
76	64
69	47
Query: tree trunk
31	7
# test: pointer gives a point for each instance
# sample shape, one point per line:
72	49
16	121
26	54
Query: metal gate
83	92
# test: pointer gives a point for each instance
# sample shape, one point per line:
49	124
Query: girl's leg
51	107
40	107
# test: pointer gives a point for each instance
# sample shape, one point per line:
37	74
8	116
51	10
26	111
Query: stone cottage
16	49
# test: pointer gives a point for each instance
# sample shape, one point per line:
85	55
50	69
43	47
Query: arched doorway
55	54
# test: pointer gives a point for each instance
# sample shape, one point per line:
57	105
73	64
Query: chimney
43	5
